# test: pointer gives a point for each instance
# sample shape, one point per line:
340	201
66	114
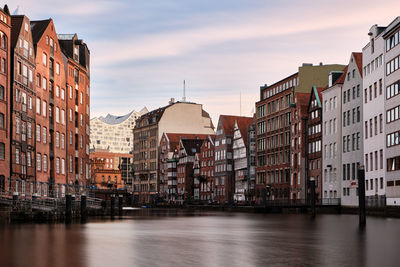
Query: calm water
204	239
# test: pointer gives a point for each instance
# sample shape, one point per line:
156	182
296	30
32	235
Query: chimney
321	64
171	101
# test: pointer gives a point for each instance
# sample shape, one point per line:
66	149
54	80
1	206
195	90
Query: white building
332	136
392	110
352	130
373	116
114	133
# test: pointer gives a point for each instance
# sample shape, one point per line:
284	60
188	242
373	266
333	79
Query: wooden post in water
83	206
112	205
361	195
68	208
312	189
120	203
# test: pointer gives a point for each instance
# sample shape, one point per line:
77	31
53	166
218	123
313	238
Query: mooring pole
361	195
112	205
120	203
68	208
83	206
312	189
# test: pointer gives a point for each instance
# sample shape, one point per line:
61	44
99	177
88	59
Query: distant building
114	133
206	172
176	117
122	162
240	151
103	177
168	149
187	183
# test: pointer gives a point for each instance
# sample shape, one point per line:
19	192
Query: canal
179	238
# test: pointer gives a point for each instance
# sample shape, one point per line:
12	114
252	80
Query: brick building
76	56
176	117
314	140
5	99
22	106
185	171
169	146
274	132
206	172
120	163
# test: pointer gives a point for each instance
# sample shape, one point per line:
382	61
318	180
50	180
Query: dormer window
76	54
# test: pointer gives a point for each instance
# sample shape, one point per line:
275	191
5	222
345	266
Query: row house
37	108
373	113
22	106
223	156
76	96
176	117
251	160
5	98
332	136
314	140
206	170
298	147
280	132
240	149
188	187
392	110
168	148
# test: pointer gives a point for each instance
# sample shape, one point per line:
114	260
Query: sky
141	51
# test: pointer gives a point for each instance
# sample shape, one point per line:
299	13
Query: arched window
3	40
102	178
1	92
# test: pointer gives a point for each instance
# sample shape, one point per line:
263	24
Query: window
45	163
57	139
38	106
1	120
57	165
44	110
44	130
17	156
57	68
63	94
38	133
62	141
2	151
57	91
63	117
44	83
1	92
44	59
57	114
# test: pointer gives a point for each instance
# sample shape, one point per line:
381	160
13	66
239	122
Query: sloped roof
16	24
302	98
243	127
38	27
317	91
358	58
174	138
228	123
192	146
112	119
340	80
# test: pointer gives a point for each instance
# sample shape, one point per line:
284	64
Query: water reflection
178	238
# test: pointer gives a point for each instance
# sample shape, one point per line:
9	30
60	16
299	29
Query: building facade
314	140
22	107
352	130
279	170
392	110
114	133
177	117
5	99
240	151
332	136
373	116
76	66
206	162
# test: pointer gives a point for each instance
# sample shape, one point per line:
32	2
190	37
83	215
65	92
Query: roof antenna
184	91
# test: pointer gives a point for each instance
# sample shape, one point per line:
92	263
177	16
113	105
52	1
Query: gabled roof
191	146
243	127
38	27
317	92
340	80
228	123
174	138
16	25
358	58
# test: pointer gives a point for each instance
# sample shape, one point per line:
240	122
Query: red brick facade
206	162
5	76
